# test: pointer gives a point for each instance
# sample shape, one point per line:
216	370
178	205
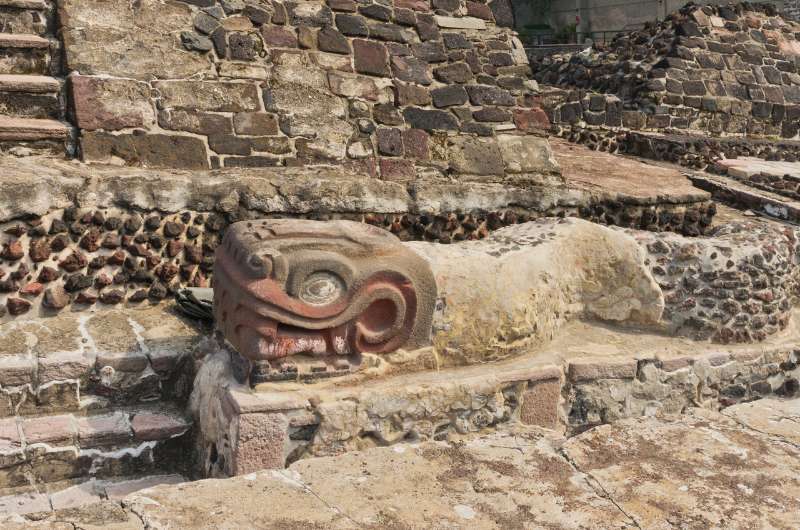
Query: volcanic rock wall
728	70
386	88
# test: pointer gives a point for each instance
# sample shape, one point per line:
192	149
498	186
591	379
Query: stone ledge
553	389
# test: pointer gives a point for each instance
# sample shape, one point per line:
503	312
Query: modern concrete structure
601	19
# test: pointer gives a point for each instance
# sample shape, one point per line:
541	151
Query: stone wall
738	284
727	70
385	88
92	236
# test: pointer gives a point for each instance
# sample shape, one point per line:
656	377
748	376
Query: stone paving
732	469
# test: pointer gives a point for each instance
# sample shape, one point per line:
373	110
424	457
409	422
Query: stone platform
590	374
736	469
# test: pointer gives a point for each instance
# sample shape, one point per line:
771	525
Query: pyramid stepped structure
32	110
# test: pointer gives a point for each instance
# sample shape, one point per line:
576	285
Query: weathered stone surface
460	22
474	156
527	154
110	104
370	58
585	283
694	471
633	474
150	150
208	96
128	40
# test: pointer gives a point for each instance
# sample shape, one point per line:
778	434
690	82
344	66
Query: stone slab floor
736	469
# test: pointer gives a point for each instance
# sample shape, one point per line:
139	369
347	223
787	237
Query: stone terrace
729	470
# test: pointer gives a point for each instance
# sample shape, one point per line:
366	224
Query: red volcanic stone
279	37
111	240
12	251
59	243
20	273
91	241
397	169
415	142
74	262
168	272
371	58
173	229
112	297
102	280
32	289
117	258
531	119
16	230
17	306
342	5
416	5
86	298
193	253
55	298
39	250
150	426
174	248
47	274
475	9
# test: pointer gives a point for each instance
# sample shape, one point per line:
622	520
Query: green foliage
566	34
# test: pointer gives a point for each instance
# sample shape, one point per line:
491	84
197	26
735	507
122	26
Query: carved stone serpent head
289	287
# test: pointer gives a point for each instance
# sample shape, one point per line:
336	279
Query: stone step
30	96
39	84
49	449
95	361
17	40
24	17
24	105
35	5
27	129
740	195
24	54
61	496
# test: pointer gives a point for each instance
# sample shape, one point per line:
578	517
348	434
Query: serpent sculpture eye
321	288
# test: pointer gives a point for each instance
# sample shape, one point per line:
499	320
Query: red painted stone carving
328	291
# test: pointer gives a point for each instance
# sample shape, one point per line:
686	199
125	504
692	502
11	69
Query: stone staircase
91	404
32	103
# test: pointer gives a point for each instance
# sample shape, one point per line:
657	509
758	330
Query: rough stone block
104	430
589	370
261	443
24	503
110	104
216	96
152	426
540	404
371	58
397	170
113	38
527	154
119	490
150	150
448	96
474	156
430	120
354	86
278	37
460	22
53	430
194	122
255	124
411	69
